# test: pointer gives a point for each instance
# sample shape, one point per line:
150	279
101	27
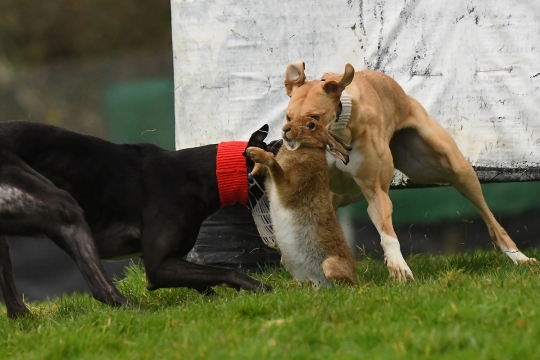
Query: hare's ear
334	88
294	76
337	147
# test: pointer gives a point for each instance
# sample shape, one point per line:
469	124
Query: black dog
96	199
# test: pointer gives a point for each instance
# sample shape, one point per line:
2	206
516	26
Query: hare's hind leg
338	270
427	154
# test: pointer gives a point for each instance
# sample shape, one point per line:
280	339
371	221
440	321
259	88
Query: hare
306	228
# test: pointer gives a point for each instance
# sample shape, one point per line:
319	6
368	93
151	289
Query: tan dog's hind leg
442	162
466	182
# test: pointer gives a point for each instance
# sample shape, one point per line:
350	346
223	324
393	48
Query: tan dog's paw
399	270
518	257
528	261
260	156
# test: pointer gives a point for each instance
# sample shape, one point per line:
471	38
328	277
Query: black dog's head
257	140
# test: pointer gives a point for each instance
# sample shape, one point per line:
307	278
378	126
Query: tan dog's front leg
380	212
374	178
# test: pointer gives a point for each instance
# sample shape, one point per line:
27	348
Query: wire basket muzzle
260	209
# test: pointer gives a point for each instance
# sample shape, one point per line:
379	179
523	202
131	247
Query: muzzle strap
339	126
345	114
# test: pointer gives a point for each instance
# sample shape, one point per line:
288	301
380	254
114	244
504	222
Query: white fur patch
391	247
14	200
290	144
296	240
398	268
516	255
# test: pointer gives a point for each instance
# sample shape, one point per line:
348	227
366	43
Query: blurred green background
141	111
440	204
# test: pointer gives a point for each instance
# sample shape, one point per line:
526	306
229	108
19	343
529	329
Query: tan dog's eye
311	125
315	117
288	118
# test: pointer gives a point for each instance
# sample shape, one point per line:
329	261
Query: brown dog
387	129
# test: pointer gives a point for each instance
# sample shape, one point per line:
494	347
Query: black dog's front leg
175	272
14	303
170	233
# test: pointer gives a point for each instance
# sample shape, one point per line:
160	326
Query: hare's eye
311	125
288	118
315	117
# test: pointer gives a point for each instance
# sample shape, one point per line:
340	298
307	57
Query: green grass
477	306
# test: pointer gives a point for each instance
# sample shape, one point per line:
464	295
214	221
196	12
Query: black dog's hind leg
14	303
76	239
31	205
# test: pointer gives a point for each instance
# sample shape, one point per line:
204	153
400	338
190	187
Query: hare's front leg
260	156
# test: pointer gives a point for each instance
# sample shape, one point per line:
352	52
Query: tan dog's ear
337	147
294	76
334	88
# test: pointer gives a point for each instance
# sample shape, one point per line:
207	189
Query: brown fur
301	182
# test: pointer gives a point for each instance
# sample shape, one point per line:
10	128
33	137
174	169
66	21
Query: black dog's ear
257	138
274	146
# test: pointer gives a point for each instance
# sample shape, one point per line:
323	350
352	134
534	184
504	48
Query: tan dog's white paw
529	261
398	268
517	256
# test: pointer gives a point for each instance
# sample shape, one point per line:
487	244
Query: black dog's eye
315	117
311	125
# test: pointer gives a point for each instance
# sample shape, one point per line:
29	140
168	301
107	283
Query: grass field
477	306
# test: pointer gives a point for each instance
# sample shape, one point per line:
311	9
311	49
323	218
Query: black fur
96	199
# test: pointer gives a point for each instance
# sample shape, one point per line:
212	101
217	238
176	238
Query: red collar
231	172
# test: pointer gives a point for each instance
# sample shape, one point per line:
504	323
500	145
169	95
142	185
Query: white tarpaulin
474	65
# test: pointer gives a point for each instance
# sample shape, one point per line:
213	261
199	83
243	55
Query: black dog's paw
206	291
131	306
264	288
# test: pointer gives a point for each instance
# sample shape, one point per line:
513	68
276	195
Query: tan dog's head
318	99
305	131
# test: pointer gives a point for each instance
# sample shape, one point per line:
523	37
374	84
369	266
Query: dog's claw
399	271
529	261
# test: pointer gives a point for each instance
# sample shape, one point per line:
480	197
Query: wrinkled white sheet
474	65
